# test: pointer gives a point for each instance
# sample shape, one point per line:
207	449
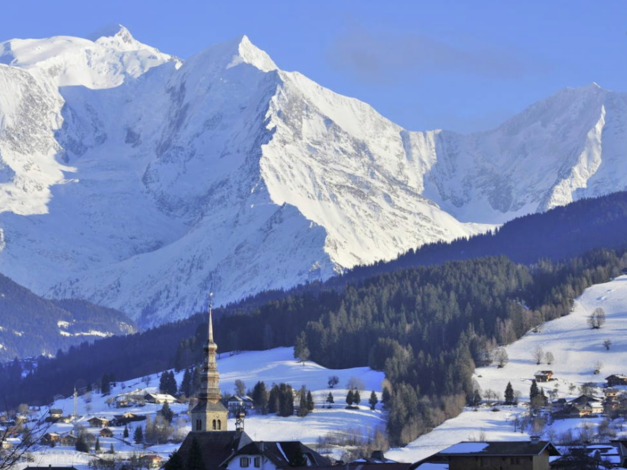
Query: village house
56	413
159	398
50	438
10	443
239	402
150	461
504	455
585	405
106	432
543	376
69	439
97	422
275	455
616	379
126	418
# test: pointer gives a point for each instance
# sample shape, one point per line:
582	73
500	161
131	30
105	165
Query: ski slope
576	348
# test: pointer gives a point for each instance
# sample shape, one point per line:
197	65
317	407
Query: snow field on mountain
576	348
272	366
135	181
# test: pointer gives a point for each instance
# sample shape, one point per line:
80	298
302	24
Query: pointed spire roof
211	317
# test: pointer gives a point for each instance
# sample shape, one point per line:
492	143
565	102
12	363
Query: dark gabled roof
51	468
206	406
281	453
215	446
500	448
371	466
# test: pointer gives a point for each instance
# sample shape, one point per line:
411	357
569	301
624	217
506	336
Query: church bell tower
209	414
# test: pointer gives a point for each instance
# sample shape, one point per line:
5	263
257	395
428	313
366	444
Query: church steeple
209	414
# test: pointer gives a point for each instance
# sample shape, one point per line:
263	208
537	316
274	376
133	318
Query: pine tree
167	413
260	397
138	436
111	449
186	383
273	399
303	410
533	391
125	432
97	446
373	400
356	397
509	394
350	399
81	443
385	396
330	399
310	401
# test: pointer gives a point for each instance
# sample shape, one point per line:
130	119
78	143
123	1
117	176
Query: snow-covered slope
272	366
136	181
576	348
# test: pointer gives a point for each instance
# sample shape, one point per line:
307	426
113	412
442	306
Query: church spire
209	414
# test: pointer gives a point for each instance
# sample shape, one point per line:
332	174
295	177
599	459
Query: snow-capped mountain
138	181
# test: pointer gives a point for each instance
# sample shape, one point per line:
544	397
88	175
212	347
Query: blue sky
459	65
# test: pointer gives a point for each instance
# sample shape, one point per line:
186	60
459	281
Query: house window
214	425
198	425
257	462
516	460
244	462
219	424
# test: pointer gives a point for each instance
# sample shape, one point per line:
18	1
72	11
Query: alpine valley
135	180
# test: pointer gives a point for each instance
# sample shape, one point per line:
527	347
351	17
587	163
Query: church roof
208	406
282	453
215	446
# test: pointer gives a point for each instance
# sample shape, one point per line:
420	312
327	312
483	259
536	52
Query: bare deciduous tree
549	358
501	357
538	355
31	435
607	343
597	319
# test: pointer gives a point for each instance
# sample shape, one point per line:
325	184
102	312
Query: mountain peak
109	31
248	53
117	37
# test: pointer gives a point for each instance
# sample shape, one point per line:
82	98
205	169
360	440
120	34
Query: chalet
584	405
543	376
9	443
275	455
504	455
589	456
97	422
611	393
559	405
159	398
106	432
56	413
616	379
69	439
240	402
126	418
151	461
50	438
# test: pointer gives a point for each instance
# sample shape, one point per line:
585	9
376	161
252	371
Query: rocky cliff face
139	182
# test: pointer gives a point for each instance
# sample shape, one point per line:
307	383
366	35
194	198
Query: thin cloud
387	58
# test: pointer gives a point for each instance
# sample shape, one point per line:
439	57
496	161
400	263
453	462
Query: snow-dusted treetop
137	181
